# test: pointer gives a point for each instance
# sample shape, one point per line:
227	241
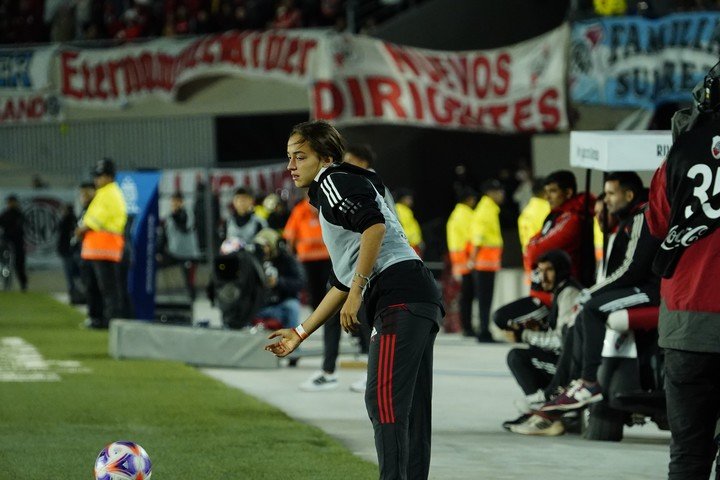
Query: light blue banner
634	61
140	190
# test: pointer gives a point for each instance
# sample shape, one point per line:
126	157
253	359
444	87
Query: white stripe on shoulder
329	181
328	194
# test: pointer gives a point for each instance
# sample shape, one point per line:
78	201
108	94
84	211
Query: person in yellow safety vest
411	227
487	248
533	216
459	242
102	230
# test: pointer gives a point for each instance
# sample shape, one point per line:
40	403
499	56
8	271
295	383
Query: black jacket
12	221
630	256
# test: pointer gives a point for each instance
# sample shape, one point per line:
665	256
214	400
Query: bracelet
301	332
362	277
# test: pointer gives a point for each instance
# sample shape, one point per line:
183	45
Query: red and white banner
352	79
28	107
518	88
118	76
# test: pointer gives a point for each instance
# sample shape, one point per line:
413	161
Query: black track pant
532	367
485	289
317	273
590	323
526	308
692	390
467	296
399	388
331	339
104	296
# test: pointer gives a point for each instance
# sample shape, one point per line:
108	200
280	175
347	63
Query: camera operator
536	367
284	278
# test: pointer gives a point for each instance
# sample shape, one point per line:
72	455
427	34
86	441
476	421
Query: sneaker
359	385
577	395
530	402
522	418
320	381
538	425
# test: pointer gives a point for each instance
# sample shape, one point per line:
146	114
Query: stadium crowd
37	21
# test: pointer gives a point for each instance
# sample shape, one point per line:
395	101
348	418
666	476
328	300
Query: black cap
11	198
104	167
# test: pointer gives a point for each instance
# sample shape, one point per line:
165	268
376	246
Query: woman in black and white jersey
372	263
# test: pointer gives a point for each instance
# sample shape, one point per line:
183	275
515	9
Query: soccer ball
123	461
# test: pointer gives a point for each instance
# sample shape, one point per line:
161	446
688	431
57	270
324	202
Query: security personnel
533	216
459	246
410	225
101	229
487	249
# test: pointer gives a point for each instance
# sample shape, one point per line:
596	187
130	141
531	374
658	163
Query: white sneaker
537	425
320	381
359	385
530	402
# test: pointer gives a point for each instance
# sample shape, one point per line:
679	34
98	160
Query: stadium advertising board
635	61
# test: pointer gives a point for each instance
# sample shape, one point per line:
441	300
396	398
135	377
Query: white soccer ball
123	461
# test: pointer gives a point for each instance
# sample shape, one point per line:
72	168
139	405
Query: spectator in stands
411	227
683	213
459	240
177	242
287	15
568	227
12	224
486	254
102	229
535	367
284	278
626	281
243	224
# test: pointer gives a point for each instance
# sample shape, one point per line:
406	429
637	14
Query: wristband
301	332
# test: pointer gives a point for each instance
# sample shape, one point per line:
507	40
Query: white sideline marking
20	361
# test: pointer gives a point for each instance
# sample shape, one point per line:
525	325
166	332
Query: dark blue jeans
692	389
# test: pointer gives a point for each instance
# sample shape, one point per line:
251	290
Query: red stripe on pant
386	362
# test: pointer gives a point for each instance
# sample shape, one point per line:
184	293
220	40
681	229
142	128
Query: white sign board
611	150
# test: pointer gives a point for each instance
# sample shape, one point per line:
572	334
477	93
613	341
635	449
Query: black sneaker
509	423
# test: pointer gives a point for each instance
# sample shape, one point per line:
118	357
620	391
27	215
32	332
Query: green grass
193	427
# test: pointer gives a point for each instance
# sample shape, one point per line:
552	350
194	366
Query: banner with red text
519	88
28	107
121	75
352	79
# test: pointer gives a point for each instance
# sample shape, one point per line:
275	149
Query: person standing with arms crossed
372	264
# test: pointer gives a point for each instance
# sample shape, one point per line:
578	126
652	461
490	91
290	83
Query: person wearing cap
487	247
102	230
12	223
